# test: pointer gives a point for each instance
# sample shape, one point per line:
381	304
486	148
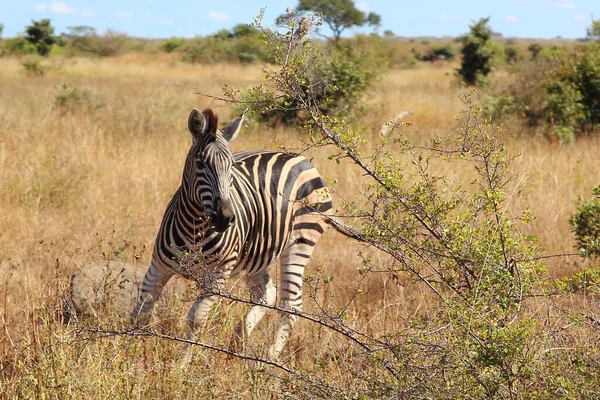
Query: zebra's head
208	172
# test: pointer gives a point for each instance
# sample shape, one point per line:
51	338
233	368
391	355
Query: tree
81	37
534	49
81	31
476	52
593	31
41	34
1	29
339	15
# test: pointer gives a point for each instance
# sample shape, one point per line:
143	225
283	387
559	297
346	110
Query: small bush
242	44
573	88
337	79
586	225
33	67
70	98
172	44
440	53
561	88
534	49
83	40
446	51
19	46
511	55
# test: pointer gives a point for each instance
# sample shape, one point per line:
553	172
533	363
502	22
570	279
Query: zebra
243	211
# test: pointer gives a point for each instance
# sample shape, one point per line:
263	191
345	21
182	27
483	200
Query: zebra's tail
351	232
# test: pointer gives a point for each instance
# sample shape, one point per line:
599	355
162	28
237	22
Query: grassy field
87	176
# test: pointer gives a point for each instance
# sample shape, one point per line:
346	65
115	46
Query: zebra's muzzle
223	217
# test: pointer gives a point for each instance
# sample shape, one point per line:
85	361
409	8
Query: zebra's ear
231	131
201	123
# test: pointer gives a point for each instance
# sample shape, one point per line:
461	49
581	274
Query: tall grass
89	178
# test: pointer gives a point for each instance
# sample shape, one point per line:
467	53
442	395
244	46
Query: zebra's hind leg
155	280
293	260
262	291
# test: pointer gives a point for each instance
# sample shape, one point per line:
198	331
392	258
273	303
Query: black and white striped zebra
243	211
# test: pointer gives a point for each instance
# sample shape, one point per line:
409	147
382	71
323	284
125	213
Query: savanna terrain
91	153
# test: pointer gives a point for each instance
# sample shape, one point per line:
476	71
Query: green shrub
586	225
242	44
534	49
70	98
573	89
33	66
560	89
207	51
337	79
436	54
19	46
83	40
476	53
446	51
511	55
172	44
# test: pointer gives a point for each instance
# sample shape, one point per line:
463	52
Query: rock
102	288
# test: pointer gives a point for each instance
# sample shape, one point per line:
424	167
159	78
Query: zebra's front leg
154	282
262	291
211	286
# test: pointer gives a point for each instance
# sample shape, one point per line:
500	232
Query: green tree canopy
81	31
339	15
41	34
476	52
593	31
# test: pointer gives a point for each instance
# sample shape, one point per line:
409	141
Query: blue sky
152	18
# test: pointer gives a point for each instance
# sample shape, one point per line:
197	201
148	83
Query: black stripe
310	186
295	273
298	297
293	283
292	292
302	255
309	225
319	208
304	241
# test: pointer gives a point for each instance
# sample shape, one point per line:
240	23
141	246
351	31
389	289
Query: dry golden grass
95	178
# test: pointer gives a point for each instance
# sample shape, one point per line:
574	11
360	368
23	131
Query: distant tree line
555	86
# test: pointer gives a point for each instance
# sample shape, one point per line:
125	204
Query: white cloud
363	6
580	16
511	18
59	7
218	16
165	21
564	4
124	14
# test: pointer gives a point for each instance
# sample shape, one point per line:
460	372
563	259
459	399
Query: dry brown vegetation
89	179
